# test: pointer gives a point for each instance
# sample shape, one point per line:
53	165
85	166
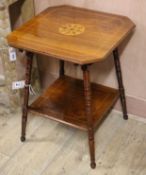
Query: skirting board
135	106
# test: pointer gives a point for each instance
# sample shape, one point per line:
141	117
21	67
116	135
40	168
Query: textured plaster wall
7	96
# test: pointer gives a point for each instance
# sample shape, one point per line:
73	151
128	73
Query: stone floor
55	149
2	80
3	99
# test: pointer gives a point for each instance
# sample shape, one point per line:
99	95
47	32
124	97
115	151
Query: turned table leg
120	82
87	92
26	94
61	68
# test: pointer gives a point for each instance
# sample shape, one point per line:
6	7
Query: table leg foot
22	138
93	165
125	117
24	122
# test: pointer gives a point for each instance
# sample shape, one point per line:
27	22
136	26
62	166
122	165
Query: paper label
12	54
18	85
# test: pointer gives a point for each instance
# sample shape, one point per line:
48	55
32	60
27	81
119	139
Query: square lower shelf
64	101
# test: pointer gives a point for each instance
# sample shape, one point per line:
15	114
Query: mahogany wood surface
64	101
26	94
89	114
102	34
83	37
120	82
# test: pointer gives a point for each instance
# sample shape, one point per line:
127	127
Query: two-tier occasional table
82	37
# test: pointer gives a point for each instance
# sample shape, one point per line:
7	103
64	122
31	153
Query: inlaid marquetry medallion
71	29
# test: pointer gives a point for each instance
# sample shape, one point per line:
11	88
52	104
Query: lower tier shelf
64	101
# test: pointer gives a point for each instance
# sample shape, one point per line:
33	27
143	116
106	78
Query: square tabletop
73	34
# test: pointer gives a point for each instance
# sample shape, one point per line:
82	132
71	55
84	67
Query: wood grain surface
64	101
103	33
